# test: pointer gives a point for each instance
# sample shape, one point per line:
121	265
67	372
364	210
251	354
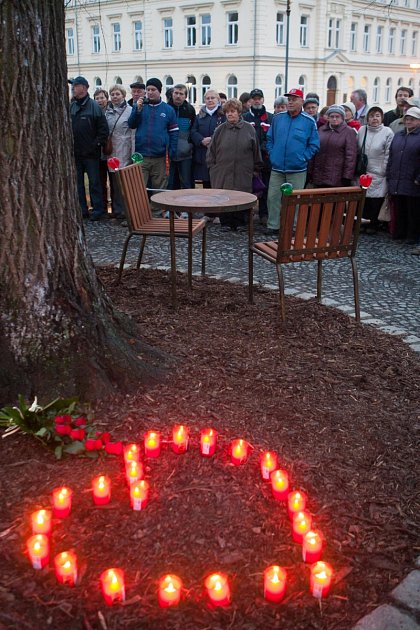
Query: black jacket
260	119
90	128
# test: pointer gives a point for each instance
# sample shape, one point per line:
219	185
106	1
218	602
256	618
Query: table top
208	200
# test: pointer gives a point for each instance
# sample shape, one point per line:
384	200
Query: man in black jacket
261	119
90	132
180	170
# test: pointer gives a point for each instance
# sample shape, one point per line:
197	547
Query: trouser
182	169
407	217
103	173
275	195
262	203
116	196
90	166
154	171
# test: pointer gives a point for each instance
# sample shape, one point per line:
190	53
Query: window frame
168	33
232	28
353	36
304	31
70	41
280	29
138	35
96	39
116	37
205	30
366	38
190	31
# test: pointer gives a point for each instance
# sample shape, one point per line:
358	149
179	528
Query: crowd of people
238	144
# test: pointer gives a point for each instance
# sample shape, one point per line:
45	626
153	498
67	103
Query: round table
207	201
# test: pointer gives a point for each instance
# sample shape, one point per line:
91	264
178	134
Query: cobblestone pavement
389	297
388	274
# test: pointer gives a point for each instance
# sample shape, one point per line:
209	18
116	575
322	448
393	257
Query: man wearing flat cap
90	132
156	132
138	90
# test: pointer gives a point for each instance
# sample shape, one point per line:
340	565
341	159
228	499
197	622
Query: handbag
108	148
362	159
385	211
258	186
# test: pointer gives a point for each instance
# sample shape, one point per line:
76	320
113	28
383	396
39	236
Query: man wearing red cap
291	142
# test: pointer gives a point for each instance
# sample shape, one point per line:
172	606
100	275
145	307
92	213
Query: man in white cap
292	141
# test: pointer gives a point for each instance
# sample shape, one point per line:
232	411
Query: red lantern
113	162
365	180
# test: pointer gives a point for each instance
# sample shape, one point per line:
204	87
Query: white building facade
233	46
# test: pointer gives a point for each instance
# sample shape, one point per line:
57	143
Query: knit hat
413	111
349	105
311	99
336	109
155	82
78	81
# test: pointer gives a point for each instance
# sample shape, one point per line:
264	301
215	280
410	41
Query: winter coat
122	135
90	129
392	115
378	141
204	127
185	115
233	156
291	142
261	119
156	129
336	158
403	168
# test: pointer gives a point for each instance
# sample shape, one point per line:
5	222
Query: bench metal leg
250	256
319	281
139	259
281	292
356	289
190	246
203	251
123	255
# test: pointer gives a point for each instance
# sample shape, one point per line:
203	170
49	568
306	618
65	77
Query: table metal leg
190	245
173	255
250	256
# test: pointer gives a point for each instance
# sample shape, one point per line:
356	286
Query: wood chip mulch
338	402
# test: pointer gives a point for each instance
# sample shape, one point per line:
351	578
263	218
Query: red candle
180	435
321	576
38	547
274	583
169	591
66	568
62	502
280	484
134	472
312	545
113	587
268	464
41	522
239	452
296	502
302	523
208	442
218	590
152	444
101	487
139	495
131	453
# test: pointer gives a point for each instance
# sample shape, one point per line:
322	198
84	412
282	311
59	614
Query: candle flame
218	586
41	517
37	546
67	565
170	588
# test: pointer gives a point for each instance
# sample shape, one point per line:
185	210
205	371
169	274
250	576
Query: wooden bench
316	224
142	223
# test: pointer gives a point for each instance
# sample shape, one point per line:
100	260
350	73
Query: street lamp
189	86
286	64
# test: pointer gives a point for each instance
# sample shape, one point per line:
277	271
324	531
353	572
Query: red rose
80	422
105	437
63	429
114	448
93	445
62	419
77	434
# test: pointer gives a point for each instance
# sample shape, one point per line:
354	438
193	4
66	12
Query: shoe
97	217
411	241
415	251
263	221
370	231
242	228
271	232
225	228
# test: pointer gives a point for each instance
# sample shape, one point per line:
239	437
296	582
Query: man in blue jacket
156	132
291	142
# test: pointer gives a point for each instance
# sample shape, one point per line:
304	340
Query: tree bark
59	333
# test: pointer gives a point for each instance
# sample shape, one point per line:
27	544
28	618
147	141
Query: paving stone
374	322
387	618
329	302
415	347
394	330
305	296
412	339
408	592
417	562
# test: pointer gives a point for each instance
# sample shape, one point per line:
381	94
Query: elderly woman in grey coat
233	157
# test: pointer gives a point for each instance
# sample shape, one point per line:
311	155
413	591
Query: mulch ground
338	402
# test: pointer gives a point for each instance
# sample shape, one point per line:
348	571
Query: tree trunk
59	333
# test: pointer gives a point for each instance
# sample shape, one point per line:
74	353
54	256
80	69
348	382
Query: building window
391	40
402	41
117	80
206	29
168	83
302	83
303	31
333	38
98	82
353	36
232	87
191	31
168	33
138	35
116	37
278	91
191	88
414	44
280	30
379	37
205	85
96	39
232	28
400	82
70	41
366	38
388	86
375	91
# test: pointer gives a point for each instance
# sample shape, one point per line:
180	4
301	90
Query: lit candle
218	590
169	591
66	568
134	471
239	452
180	438
321	576
296	502
62	502
101	487
113	587
152	444
268	464
38	547
139	495
208	442
274	583
41	522
302	523
131	453
312	546
280	484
